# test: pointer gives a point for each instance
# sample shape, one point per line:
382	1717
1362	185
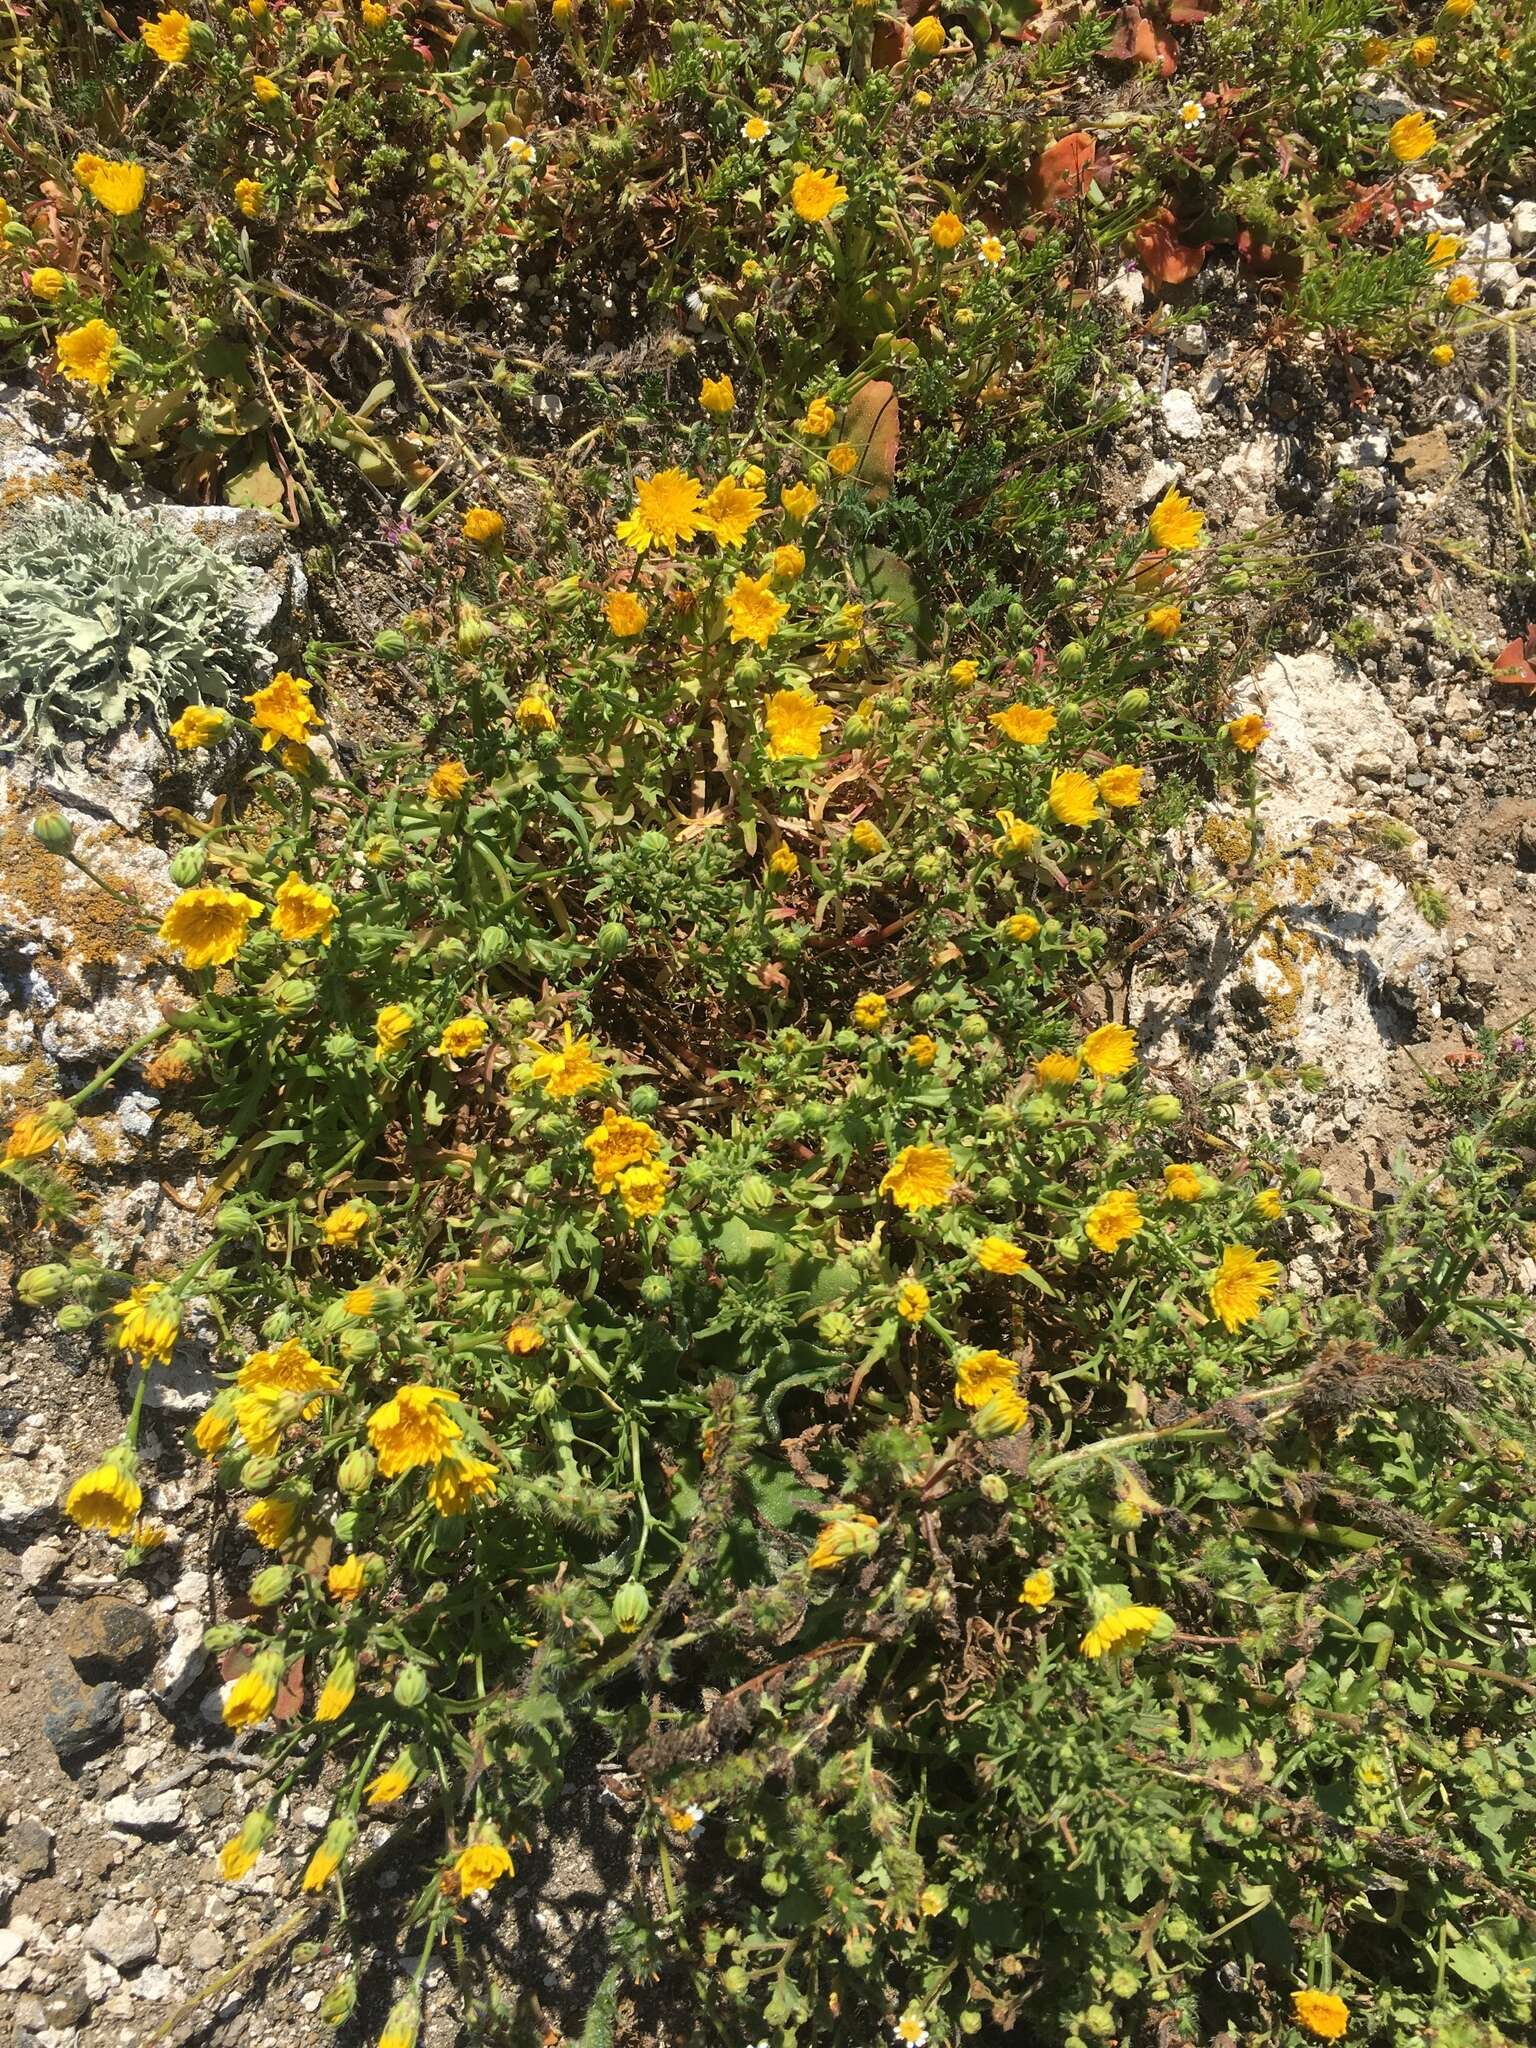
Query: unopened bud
54	832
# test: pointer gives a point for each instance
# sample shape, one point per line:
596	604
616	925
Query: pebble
27	1850
205	1951
109	1639
124	1936
1521	225
79	1718
39	1562
30	1489
159	1814
1181	415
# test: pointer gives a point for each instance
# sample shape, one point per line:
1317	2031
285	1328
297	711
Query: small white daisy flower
682	1820
992	251
1191	113
910	2031
754	129
521	151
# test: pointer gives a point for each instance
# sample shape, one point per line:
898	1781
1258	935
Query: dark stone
110	1639
27	1851
68	2008
79	1718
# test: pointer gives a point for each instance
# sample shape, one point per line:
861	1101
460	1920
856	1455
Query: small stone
124	1936
11	1945
39	1562
158	1815
68	2008
30	1489
110	1639
27	1851
1192	342
1368	450
1522	224
1181	415
1423	458
205	1951
79	1718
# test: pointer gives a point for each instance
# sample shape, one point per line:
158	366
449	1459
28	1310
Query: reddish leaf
290	1694
1165	259
1516	666
1139	41
873	424
1063	171
892	40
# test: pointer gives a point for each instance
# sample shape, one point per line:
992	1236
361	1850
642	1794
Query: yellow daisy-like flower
106	1498
395	1782
788	562
731	511
1460	290
391	1028
250	197
643	1189
625	614
912	1301
1442	249
1175	523
523	1340
271	1522
330	1855
1110	1051
568	1069
1073	798
457	1481
920	1177
795	721
1113	1219
928	37
816	194
46	283
1038	1590
148	1324
1411	137
1163	621
345	1581
287	1368
346	1223
754	129
36	1131
532	714
282	711
980	1375
85	354
447	782
373	13
869	1012
1182	1182
754	610
843	458
117	187
1123	1631
253	1695
302	911
1247	732
619	1142
964	672
265	90
1025	724
1014	835
947	230
461	1037
411	1429
1269	1203
997	1255
668	509
1442	355
479	1866
1022	926
198	726
1323	2014
844	1537
1422	51
169	36
482	527
799	501
783	864
991	251
207	926
1120	787
717	395
868	839
1242	1284
213	1430
1057	1069
818	420
922	1050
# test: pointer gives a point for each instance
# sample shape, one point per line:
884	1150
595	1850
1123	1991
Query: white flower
910	2031
521	151
754	129
992	251
1191	113
682	1820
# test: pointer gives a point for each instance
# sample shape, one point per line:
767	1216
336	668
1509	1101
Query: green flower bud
998	1188
1236	581
1037	1111
473	629
735	1982
75	1315
340	1046
391	644
774	1883
612	941
1072	659
41	1284
974	1029
411	1686
1099	2021
835	1327
685	1249
1063	588
970	2021
257	1474
494	943
269	1585
540	1177
18	234
356	1345
293	996
755	1193
54	832
994	1487
450	952
1309	1182
354	1475
631	1605
785	1125
187	864
1114	1093
1163	1109
545	1398
930	777
1133	703
655	1290
224	1635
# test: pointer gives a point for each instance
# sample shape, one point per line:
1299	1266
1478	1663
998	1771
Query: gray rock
1522	224
30	1489
27	1850
68	2008
79	1718
159	1814
1181	415
11	1945
109	1639
124	1936
205	1951
1192	342
39	1562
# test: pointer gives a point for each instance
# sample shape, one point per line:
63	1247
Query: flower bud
493	944
270	1584
400	2029
293	996
631	1605
340	2002
355	1473
234	1219
411	1686
473	630
974	1029
685	1249
75	1315
54	832
994	1487
612	941
41	1284
340	1046
187	864
1309	1182
544	1398
562	595
655	1290
391	644
1073	658
1163	1109
257	1474
1133	704
224	1635
357	1345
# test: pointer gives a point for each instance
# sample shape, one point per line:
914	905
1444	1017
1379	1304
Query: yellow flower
920	1177
1421	51
266	90
1110	1051
783	864
754	129
643	1189
282	711
997	1255
1025	724
169	36
212	1431
818	419
912	1301
360	1301
1038	1590
1458	10
1163	621
461	1037
394	1783
1175	524
207	926
1442	354
239	1854
788	562
411	1429
447	782
391	1028
795	722
844	1537
253	1694
271	1522
1057	1069
1269	1203
85	353
964	672
346	1223
373	13
260	1417
198	727
1004	1413
1323	2014
1113	1219
668	508
533	715
250	196
753	610
328	1858
625	614
617	1143
799	501
1022	926
928	36
482	527
1073	797
302	911
567	1070
1014	835
1183	1183
1120	787
947	230
868	839
717	395
1124	1629
1442	249
815	194
148	1324
982	1374
1242	1284
731	511
46	283
922	1050
288	1368
1411	137
345	1581
843	458
106	1498
523	1340
1375	50
478	1867
457	1481
1247	732
992	251
1460	290
118	187
36	1131
869	1012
